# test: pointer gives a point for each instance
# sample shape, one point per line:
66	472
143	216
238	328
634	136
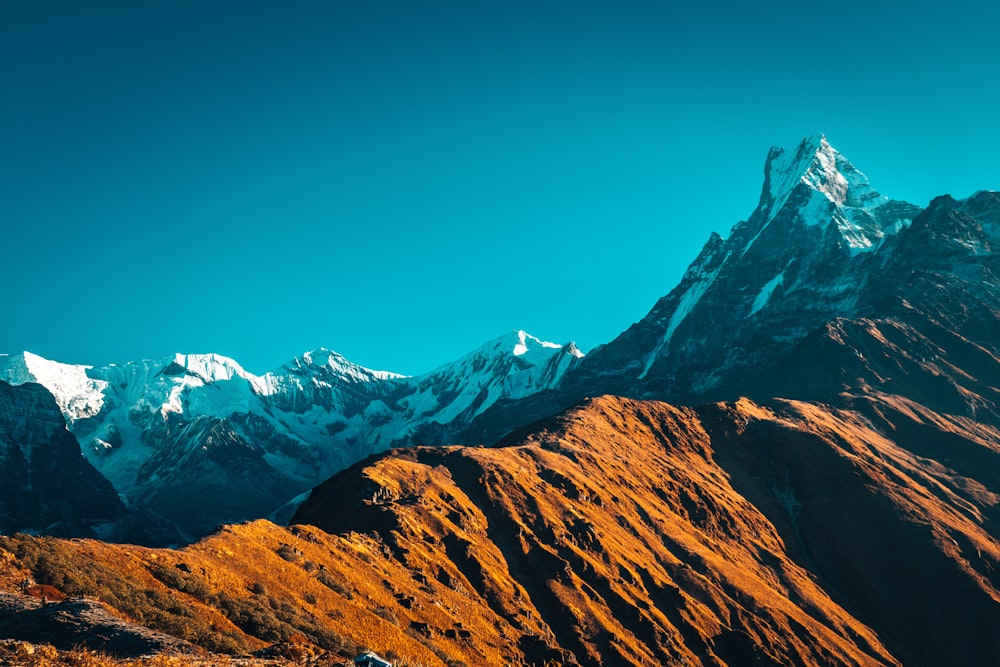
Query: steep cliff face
46	485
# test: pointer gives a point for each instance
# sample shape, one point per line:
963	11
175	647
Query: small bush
289	553
386	613
335	584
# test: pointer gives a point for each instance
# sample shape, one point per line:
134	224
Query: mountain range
199	441
794	458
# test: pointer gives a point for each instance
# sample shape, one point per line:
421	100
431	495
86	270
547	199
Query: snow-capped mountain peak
78	395
801	258
526	344
819	166
208	367
816	186
171	432
323	360
520	347
511	366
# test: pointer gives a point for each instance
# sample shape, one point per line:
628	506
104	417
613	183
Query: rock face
45	482
70	624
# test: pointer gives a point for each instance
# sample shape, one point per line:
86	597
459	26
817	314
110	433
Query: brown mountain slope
895	512
735	533
621	532
610	531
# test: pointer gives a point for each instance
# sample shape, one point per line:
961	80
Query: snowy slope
512	366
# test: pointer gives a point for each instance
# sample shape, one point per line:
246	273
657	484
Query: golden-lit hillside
610	532
618	533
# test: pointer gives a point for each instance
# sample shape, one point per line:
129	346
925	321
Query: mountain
800	465
736	533
803	300
829	289
200	441
877	472
805	255
45	483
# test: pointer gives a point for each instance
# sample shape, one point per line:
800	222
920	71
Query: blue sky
403	181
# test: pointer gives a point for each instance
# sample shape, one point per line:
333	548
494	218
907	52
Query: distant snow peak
210	367
512	366
824	170
78	395
323	357
338	363
525	342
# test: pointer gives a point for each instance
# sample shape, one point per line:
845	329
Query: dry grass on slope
621	532
891	505
243	589
609	532
15	653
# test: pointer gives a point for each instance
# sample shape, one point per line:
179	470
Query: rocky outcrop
80	622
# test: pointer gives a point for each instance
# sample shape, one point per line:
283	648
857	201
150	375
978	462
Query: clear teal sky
403	181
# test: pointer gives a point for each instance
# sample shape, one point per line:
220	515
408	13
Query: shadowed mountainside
44	480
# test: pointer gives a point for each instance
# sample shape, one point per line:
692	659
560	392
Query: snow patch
765	293
526	342
78	395
684	307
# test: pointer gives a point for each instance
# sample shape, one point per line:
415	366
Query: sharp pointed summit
820	167
803	256
816	186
